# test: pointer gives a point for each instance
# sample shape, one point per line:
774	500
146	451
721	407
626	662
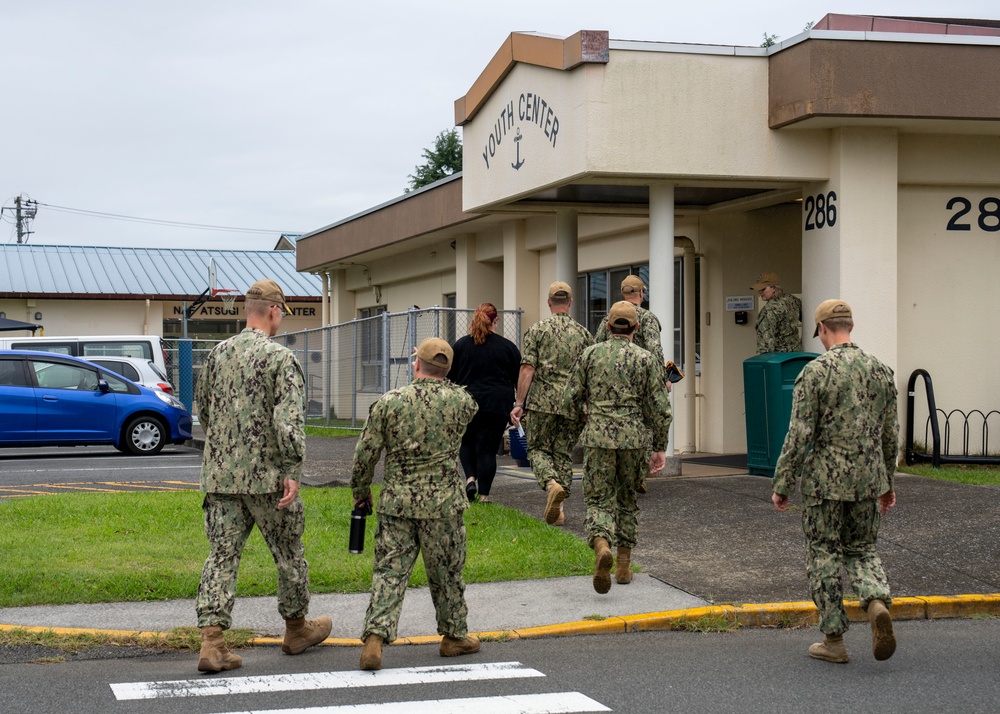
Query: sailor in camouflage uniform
646	336
620	388
549	353
420	427
780	319
251	401
842	441
647	332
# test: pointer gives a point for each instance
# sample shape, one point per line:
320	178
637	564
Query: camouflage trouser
441	542
842	534
551	438
229	518
610	478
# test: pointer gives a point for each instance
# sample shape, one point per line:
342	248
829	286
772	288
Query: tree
444	159
769	40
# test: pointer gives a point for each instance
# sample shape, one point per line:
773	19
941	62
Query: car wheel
145	436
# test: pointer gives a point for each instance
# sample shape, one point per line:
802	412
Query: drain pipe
689	445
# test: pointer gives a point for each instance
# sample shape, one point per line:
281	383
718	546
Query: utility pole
24	211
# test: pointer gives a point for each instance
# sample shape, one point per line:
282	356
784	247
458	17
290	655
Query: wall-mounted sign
531	110
739	303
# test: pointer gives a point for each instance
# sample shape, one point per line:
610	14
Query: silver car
139	370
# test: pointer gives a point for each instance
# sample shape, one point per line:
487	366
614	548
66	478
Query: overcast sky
282	116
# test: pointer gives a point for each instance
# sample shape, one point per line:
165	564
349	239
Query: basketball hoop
228	298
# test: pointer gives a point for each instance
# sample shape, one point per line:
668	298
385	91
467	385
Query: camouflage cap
632	284
269	291
436	351
622	314
560	290
831	308
764	280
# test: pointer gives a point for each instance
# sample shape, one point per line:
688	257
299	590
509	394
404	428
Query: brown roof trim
529	48
427	210
873	80
896	23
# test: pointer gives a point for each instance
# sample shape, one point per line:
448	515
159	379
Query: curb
771	615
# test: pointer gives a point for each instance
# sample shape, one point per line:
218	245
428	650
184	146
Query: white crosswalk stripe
552	703
546	703
321	680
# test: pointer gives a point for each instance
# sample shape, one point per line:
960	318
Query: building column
475	281
661	275
520	275
567	256
849	239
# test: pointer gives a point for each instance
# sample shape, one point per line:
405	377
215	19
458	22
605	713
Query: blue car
47	399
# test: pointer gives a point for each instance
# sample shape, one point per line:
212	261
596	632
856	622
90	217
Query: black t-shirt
489	371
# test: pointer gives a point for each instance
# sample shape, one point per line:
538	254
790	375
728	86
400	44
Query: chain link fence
349	366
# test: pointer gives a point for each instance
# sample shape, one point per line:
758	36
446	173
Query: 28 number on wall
988	217
821	211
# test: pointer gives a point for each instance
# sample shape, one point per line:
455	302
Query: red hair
482	321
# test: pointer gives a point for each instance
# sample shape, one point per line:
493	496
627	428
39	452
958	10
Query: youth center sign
532	112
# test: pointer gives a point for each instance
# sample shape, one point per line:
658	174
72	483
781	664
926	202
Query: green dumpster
768	381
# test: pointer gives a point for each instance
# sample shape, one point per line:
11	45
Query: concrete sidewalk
710	542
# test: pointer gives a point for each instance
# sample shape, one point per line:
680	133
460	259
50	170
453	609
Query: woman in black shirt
487	365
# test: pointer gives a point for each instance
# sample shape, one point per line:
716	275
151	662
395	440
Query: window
117	349
371	348
55	375
450	301
602	289
12	373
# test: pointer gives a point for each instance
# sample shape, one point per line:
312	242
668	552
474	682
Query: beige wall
948	291
638	114
88	317
128	317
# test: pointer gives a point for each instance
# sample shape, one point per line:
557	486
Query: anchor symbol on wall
517	146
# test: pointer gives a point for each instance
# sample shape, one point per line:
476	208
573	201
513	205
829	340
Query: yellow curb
610	625
960	605
675	619
777	614
774	614
138	634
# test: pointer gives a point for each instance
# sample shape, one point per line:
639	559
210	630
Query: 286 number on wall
821	211
988	217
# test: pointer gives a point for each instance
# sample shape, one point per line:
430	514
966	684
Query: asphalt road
95	469
940	666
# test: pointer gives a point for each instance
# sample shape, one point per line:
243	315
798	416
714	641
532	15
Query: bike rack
936	457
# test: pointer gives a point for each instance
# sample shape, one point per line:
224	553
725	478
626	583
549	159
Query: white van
149	347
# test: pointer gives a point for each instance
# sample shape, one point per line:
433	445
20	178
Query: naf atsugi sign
530	111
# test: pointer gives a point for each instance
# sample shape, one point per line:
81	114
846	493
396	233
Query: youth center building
859	160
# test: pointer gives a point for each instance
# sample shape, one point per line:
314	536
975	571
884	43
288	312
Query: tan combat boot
883	641
556	496
215	655
371	655
623	569
832	649
452	647
562	517
603	560
301	634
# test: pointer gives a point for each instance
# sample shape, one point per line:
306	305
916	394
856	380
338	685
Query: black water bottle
358	516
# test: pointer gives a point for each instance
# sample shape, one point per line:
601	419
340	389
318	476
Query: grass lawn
959	473
76	548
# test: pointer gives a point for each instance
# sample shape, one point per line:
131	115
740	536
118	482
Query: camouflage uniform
842	440
251	403
778	325
621	390
647	333
420	427
646	336
552	347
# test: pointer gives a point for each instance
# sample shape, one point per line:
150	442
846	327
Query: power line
158	221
